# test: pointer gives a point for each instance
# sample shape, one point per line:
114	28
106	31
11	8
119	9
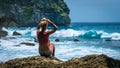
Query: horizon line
94	22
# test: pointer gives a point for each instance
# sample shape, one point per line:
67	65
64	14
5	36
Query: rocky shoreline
89	61
3	33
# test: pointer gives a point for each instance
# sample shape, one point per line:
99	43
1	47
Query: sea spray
92	41
68	33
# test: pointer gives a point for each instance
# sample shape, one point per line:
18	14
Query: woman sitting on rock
45	47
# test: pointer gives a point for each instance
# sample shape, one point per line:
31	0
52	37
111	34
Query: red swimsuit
45	39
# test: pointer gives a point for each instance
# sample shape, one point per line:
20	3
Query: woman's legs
52	49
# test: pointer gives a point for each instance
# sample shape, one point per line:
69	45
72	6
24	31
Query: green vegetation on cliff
29	12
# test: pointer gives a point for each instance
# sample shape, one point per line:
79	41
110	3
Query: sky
94	10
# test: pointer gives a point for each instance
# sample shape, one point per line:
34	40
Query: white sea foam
10	32
11	48
63	50
70	33
21	31
86	34
115	36
33	33
111	36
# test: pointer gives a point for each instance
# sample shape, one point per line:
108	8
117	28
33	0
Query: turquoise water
94	38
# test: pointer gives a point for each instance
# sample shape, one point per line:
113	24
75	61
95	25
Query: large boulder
90	61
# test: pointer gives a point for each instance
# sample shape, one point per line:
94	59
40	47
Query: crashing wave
69	33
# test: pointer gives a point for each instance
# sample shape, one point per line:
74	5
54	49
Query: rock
76	40
89	61
93	61
57	40
0	27
28	43
35	40
16	33
107	40
3	33
16	45
22	13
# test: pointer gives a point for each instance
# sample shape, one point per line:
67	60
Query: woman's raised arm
54	27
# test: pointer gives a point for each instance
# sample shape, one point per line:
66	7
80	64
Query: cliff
29	12
89	61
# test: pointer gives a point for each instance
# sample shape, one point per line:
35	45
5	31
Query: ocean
93	38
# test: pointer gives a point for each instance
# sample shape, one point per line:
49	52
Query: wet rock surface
76	40
3	33
28	43
57	40
16	33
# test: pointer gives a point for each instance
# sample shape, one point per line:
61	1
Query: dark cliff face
29	12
